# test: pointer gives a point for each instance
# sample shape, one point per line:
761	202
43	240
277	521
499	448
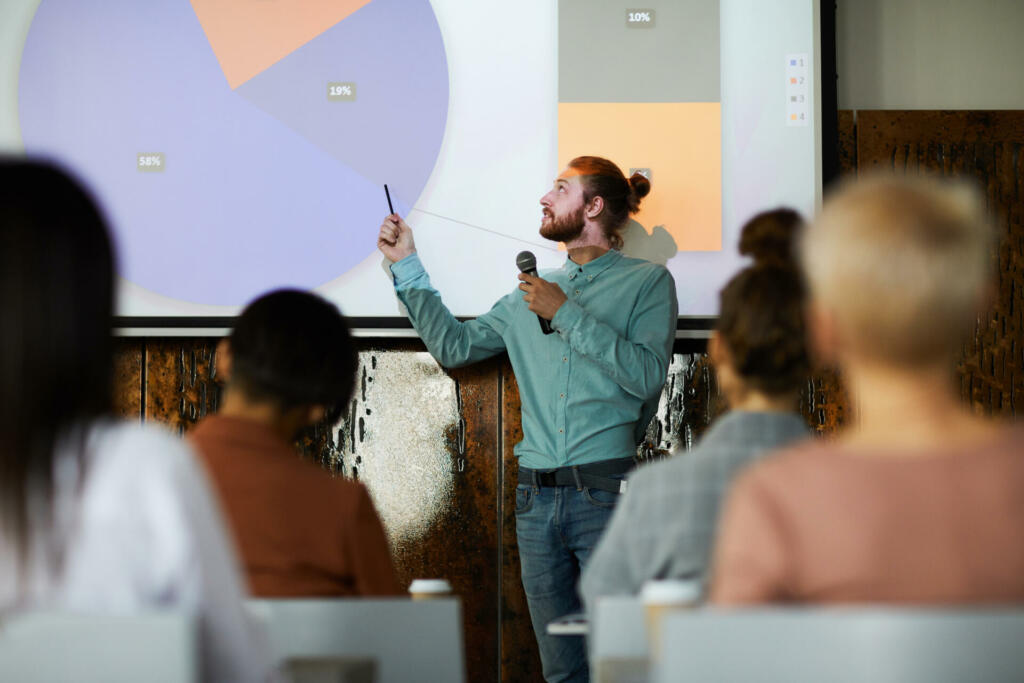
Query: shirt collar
742	428
254	434
594	268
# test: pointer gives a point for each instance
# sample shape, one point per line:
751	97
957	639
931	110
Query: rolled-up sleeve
452	342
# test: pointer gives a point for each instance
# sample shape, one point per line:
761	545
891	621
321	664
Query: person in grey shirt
664	525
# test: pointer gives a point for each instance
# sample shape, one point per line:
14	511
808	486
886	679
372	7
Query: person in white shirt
96	515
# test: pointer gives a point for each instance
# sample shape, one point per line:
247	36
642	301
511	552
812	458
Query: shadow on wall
657	247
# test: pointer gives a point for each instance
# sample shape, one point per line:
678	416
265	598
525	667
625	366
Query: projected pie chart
238	146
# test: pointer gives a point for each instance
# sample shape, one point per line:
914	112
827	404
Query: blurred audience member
919	500
98	516
290	364
664	526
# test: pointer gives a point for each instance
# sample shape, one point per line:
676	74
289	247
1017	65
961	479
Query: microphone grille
526	261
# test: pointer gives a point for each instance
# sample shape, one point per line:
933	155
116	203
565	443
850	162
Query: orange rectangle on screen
680	142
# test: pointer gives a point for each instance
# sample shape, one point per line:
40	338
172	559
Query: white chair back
409	640
618	640
843	645
161	647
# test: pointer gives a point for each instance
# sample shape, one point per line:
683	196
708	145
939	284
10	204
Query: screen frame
687	327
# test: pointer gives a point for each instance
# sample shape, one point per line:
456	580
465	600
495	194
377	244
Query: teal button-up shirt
587	391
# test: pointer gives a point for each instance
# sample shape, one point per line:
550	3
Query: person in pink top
918	500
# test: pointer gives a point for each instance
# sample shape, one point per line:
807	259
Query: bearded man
588	390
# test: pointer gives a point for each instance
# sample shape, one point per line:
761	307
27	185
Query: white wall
930	54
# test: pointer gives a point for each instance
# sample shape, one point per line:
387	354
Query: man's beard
563	228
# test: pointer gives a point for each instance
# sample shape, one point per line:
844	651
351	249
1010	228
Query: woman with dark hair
291	363
95	515
664	526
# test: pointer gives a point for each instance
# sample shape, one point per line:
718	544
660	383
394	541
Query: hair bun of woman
769	238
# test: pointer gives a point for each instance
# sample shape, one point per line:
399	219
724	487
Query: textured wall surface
434	447
986	147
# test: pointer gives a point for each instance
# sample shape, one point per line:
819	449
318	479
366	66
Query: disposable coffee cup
429	589
661	598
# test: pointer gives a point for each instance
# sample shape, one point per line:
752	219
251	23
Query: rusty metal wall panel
180	381
847	131
824	402
520	659
425	443
985	146
468	541
689	402
127	387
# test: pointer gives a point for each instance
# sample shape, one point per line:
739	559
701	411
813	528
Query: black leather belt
594	475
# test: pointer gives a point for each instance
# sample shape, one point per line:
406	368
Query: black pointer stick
388	195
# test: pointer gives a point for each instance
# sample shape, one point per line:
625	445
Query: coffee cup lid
430	586
671	591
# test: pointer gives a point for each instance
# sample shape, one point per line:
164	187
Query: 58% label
150	161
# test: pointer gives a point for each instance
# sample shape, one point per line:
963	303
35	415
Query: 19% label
341	92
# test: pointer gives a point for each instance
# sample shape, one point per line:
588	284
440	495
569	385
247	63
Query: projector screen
241	146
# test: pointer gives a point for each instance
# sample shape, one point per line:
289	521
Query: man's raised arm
451	342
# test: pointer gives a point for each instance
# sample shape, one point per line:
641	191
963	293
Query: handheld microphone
527	263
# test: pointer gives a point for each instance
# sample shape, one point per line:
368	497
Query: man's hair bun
639	187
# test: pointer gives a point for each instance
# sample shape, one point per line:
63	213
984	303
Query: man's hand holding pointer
395	238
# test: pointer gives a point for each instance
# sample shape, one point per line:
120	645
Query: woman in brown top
919	500
291	363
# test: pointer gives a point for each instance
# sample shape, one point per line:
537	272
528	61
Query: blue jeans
557	527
